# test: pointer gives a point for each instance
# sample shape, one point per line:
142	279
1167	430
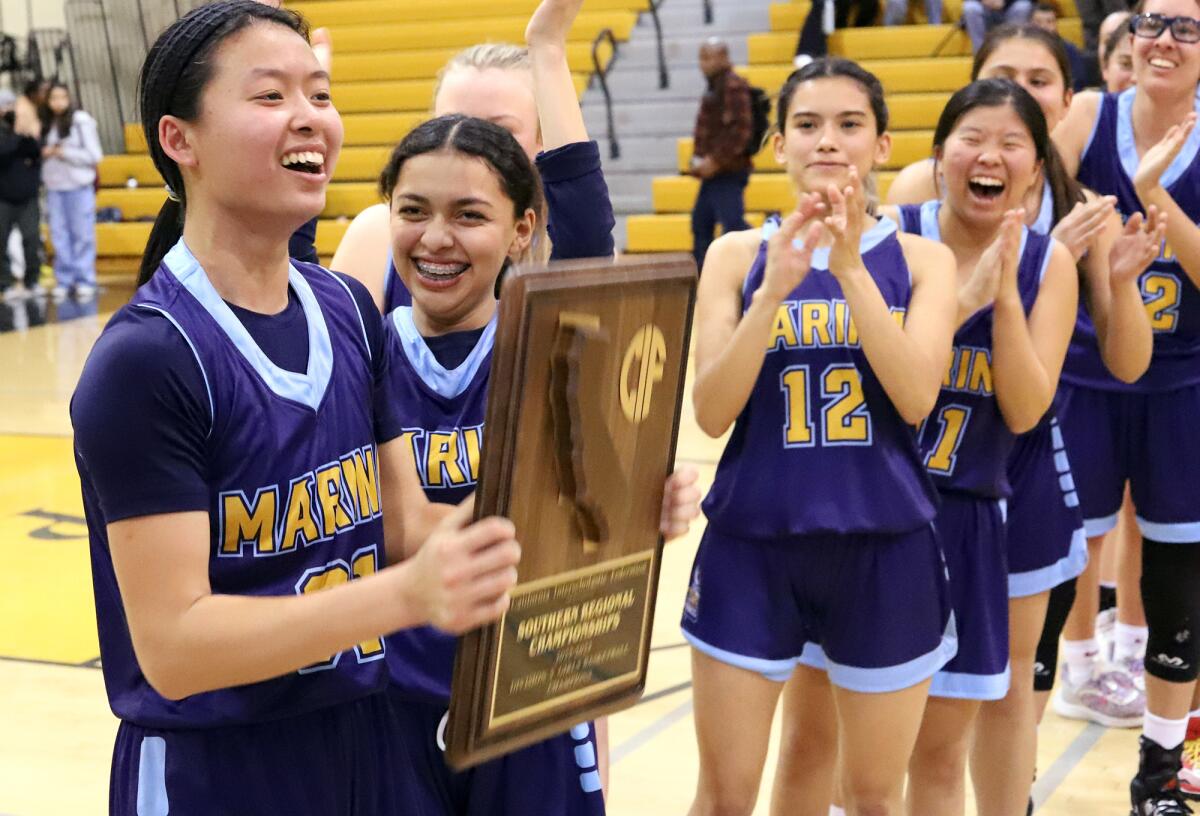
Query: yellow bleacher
386	58
917	86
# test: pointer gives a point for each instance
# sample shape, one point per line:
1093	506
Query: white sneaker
83	291
1108	698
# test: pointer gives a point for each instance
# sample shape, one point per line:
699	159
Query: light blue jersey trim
963	686
444	382
888	678
307	388
212	415
1187	532
1045	219
874	236
1099	526
1044	579
1127	148
361	321
777	671
152	778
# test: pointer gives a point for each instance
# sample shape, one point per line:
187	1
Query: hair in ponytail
177	68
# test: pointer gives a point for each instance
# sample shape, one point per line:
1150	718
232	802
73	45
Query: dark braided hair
177	68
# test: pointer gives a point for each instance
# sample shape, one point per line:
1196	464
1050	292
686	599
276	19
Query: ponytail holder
171	194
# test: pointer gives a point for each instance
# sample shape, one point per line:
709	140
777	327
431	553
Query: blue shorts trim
152	778
1171	533
1024	584
1100	526
888	678
961	686
777	671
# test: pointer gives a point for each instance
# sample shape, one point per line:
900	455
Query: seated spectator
895	12
69	162
20	176
1116	56
981	16
1045	17
825	16
1093	14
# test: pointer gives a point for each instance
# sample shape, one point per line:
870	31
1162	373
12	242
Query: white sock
1167	733
834	810
1080	656
1130	642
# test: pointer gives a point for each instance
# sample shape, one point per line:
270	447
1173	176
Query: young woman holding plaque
235	464
530	93
819	561
465	199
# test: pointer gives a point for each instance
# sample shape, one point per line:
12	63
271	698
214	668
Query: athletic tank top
965	442
819	446
443	412
395	293
293	483
1108	166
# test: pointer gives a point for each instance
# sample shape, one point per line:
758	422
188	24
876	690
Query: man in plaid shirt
723	130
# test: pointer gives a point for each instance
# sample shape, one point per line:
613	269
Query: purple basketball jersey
819	446
442	412
965	441
1108	166
395	293
294	500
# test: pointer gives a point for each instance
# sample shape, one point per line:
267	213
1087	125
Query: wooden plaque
582	418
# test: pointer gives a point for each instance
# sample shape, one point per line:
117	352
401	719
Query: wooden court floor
56	730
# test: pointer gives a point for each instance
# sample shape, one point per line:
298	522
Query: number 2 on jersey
1161	293
953	419
844	417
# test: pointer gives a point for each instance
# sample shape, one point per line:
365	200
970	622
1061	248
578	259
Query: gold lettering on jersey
648	352
817	324
446	457
253	523
317	505
970	371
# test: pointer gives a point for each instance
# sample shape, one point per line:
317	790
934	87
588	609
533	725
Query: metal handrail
708	12
664	79
614	149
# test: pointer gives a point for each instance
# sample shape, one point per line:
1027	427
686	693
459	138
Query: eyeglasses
1151	26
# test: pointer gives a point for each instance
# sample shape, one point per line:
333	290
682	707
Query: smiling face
987	163
1162	64
829	129
1030	65
453	227
267	136
501	96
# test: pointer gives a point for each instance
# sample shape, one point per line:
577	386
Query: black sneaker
1155	789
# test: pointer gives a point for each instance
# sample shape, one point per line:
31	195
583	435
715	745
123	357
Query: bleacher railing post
614	149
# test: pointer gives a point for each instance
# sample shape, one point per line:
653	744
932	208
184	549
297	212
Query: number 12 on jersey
844	418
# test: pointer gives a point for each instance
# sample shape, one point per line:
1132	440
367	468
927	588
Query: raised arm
1183	235
1114	300
1027	353
554	89
910	360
